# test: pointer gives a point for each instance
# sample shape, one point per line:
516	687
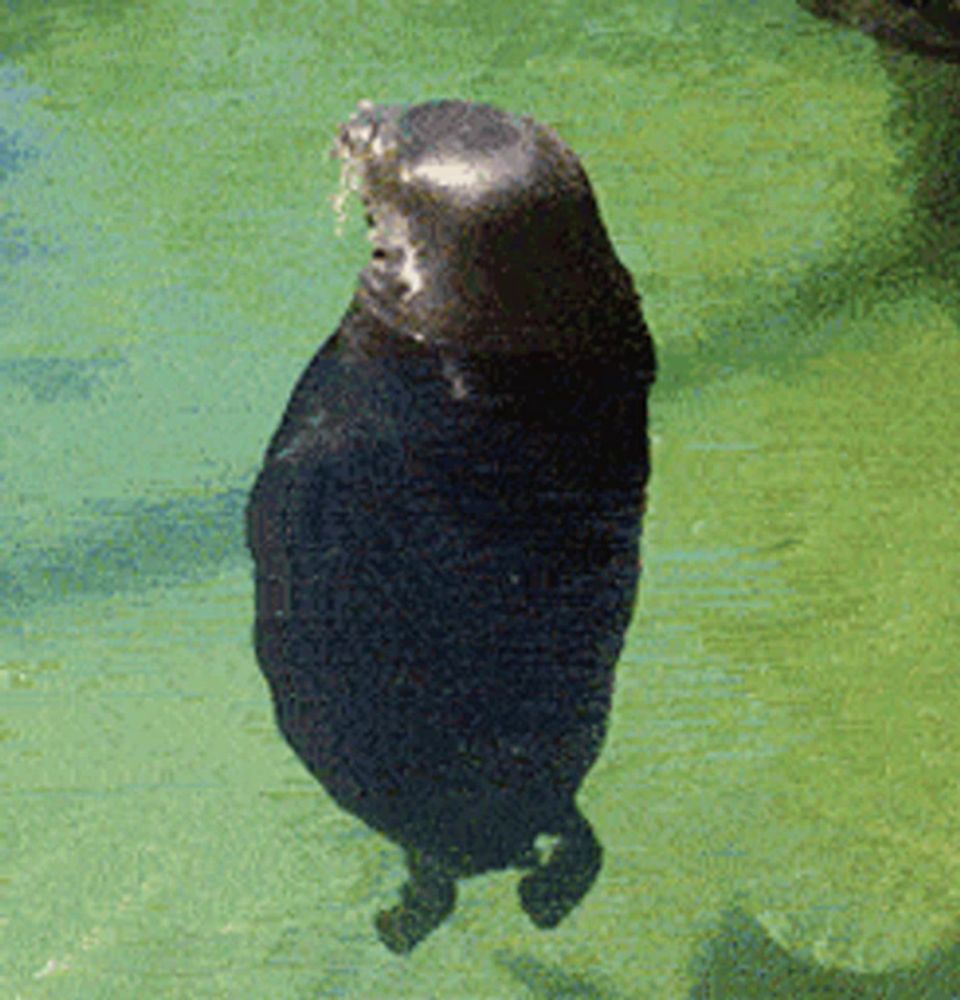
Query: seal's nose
368	133
357	134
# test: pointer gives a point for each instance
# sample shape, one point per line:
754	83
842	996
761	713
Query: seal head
486	233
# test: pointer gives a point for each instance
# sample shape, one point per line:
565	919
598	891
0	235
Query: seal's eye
369	219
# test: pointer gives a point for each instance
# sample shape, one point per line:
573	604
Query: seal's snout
364	146
369	135
357	134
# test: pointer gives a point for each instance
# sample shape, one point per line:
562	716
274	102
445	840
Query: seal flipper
427	899
552	890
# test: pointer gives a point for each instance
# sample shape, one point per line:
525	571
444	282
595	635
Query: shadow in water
920	52
798	322
801	322
548	982
926	114
811	315
53	380
126	546
744	963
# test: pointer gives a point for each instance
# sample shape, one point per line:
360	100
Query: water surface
779	782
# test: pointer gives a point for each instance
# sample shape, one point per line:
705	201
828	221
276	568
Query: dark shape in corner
447	521
744	963
926	27
924	120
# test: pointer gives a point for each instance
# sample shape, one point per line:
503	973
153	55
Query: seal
446	525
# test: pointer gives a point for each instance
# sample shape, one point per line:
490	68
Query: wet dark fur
446	552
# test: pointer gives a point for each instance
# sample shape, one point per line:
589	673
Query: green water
778	796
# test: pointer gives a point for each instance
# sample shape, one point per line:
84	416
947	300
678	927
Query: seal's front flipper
428	898
552	890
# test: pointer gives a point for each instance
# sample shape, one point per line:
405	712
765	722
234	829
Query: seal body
446	525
